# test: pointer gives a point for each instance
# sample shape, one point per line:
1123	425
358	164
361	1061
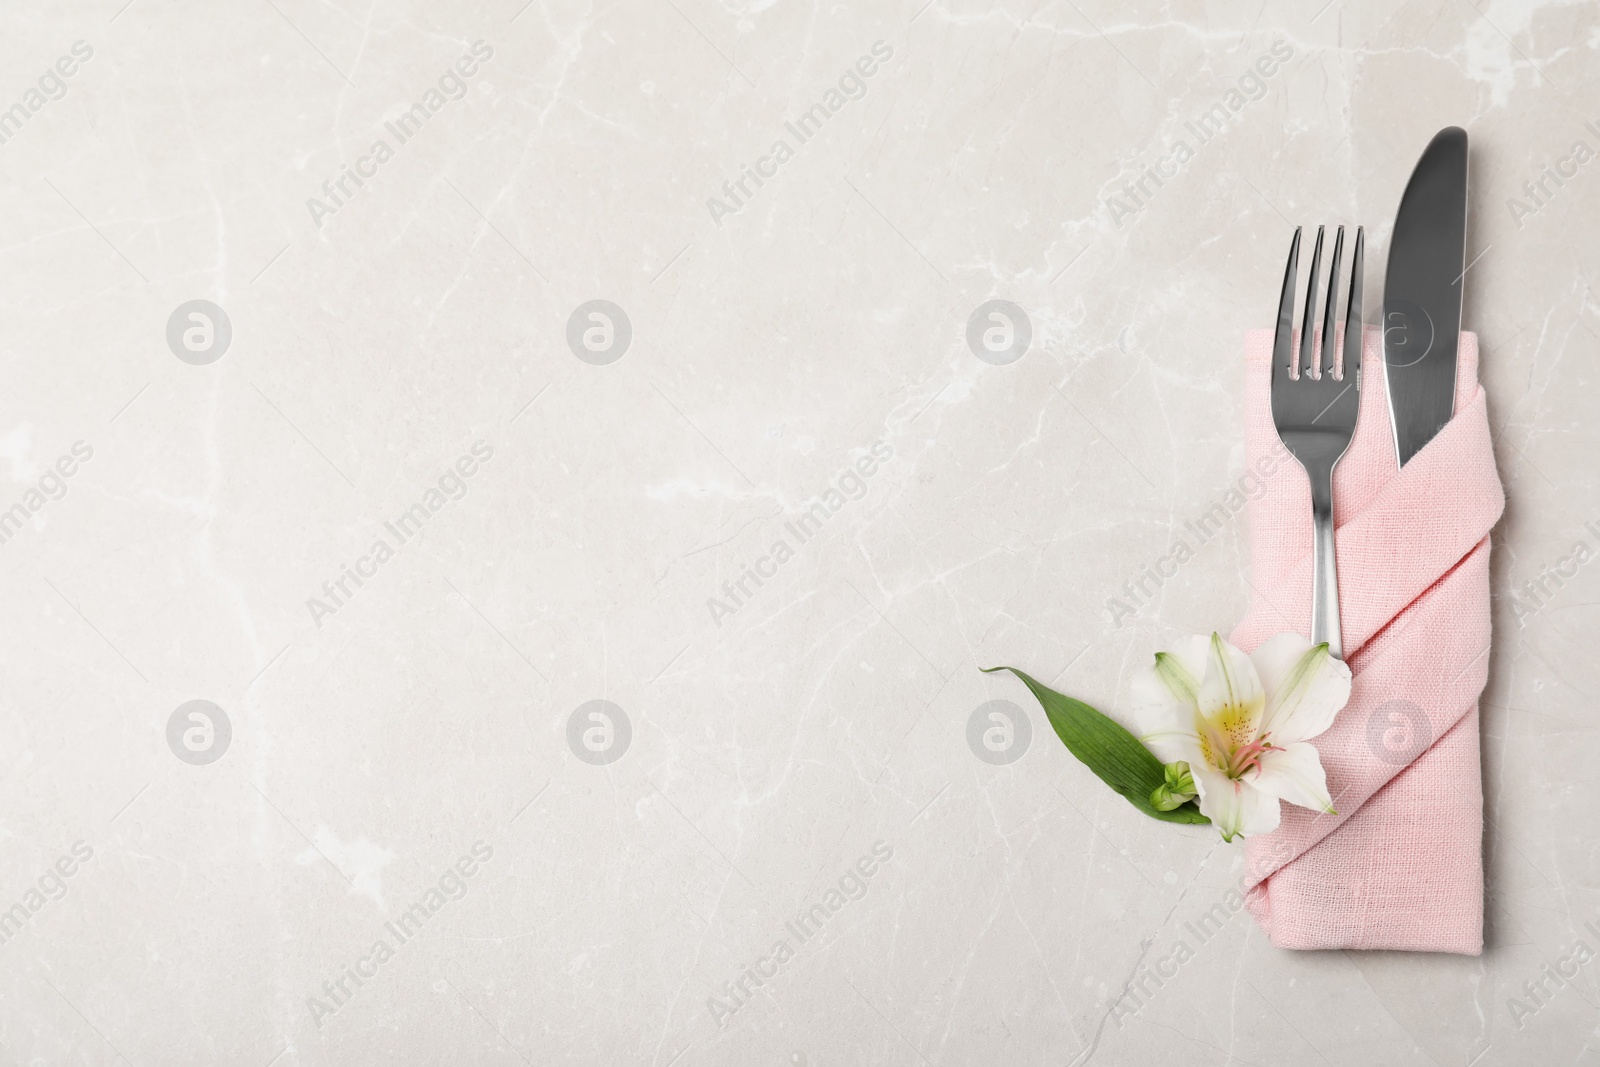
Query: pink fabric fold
1401	864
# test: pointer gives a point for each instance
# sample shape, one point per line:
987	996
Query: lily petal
1305	687
1163	698
1230	699
1295	774
1187	660
1170	736
1235	806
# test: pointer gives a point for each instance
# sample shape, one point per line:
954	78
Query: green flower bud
1177	790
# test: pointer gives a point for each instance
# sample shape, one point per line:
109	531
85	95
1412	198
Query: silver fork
1314	407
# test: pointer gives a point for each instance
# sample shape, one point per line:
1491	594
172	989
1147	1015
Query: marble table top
503	504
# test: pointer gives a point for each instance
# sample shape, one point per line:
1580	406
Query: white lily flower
1242	724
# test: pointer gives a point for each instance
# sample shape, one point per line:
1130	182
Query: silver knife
1422	293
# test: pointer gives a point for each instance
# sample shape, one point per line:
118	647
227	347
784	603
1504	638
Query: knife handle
1325	573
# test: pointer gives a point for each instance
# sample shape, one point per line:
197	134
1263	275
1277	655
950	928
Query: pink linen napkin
1401	864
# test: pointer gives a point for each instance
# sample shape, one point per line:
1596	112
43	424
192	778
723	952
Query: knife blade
1422	294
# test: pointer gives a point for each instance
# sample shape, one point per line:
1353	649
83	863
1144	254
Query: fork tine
1307	361
1330	314
1353	328
1283	338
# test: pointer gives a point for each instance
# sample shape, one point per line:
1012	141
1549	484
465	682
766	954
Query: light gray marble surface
382	335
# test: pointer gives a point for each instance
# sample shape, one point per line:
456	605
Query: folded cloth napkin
1401	864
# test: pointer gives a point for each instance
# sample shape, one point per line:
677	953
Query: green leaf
1110	751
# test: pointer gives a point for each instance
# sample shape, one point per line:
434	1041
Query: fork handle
1325	574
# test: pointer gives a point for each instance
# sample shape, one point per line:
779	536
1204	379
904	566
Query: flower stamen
1246	758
